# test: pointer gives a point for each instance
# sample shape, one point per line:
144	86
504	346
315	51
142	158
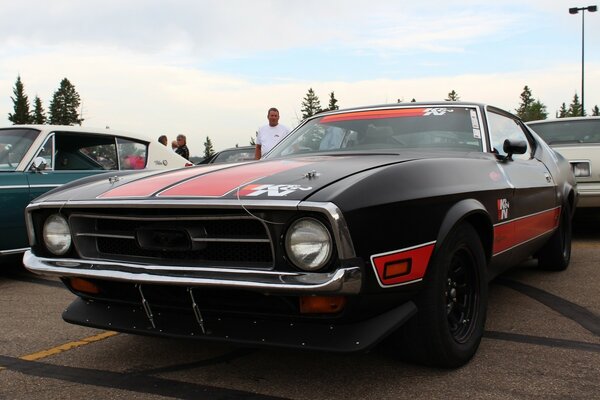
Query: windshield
14	143
574	131
447	128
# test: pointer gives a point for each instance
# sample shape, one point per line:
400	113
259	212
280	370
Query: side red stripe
222	182
419	258
377	114
513	233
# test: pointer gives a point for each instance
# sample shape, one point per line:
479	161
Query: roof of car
80	129
565	119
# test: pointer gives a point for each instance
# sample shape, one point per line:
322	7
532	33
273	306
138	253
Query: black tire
556	253
449	324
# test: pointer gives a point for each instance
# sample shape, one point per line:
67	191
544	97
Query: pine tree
39	114
208	148
453	96
311	104
575	109
596	111
563	112
20	105
64	105
531	109
333	102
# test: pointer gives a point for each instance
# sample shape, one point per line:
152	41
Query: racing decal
437	111
270	190
402	267
510	234
148	186
503	206
376	114
220	183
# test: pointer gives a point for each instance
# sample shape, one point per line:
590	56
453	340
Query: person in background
182	148
162	139
174	145
269	135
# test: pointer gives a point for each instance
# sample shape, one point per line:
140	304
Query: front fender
473	212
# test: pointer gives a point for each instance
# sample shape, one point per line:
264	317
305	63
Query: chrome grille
238	240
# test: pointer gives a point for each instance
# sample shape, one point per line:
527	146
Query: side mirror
511	147
39	164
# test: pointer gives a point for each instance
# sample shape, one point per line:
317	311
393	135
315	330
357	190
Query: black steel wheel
449	324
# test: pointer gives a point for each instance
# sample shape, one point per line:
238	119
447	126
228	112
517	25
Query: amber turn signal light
321	304
396	268
84	286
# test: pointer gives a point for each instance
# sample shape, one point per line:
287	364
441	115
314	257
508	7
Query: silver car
578	140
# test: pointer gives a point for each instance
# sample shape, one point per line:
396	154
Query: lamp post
575	10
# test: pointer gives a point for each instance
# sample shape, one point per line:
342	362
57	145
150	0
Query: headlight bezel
309	262
56	234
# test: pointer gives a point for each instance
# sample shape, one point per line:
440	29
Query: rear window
565	132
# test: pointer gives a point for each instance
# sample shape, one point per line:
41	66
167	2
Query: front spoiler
342	281
241	329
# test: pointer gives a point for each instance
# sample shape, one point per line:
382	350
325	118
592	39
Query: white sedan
578	140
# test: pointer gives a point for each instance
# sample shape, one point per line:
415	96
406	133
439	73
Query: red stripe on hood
222	182
148	186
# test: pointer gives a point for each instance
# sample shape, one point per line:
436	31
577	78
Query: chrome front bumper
342	281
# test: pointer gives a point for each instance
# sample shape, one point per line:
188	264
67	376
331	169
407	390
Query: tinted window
443	128
80	151
578	131
132	154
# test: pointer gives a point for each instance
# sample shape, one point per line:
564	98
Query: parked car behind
578	140
233	154
360	225
37	158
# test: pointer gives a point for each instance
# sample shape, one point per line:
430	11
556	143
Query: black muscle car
382	222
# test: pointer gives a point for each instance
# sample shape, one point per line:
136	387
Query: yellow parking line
67	346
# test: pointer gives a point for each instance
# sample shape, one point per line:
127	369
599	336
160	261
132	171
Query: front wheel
449	324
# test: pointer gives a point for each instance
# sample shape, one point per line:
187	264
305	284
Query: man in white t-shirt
269	135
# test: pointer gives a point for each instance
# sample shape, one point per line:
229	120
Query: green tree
39	114
20	105
64	105
208	148
575	109
453	96
531	109
310	104
333	102
563	111
252	141
596	111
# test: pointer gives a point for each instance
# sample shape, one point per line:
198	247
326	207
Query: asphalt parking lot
542	341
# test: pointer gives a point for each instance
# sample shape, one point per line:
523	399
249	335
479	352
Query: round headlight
308	244
57	236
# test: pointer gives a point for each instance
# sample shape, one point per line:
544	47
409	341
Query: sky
212	68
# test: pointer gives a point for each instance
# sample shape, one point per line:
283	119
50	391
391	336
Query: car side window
84	152
132	155
502	128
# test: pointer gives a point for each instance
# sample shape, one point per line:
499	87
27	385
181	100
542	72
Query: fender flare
476	214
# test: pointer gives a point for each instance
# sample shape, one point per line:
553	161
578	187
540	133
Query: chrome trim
13	251
342	281
338	224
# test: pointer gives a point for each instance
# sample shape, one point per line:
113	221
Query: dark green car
37	158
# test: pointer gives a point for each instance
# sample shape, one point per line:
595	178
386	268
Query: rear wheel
449	324
556	253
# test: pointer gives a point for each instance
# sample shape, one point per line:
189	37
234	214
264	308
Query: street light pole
575	10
